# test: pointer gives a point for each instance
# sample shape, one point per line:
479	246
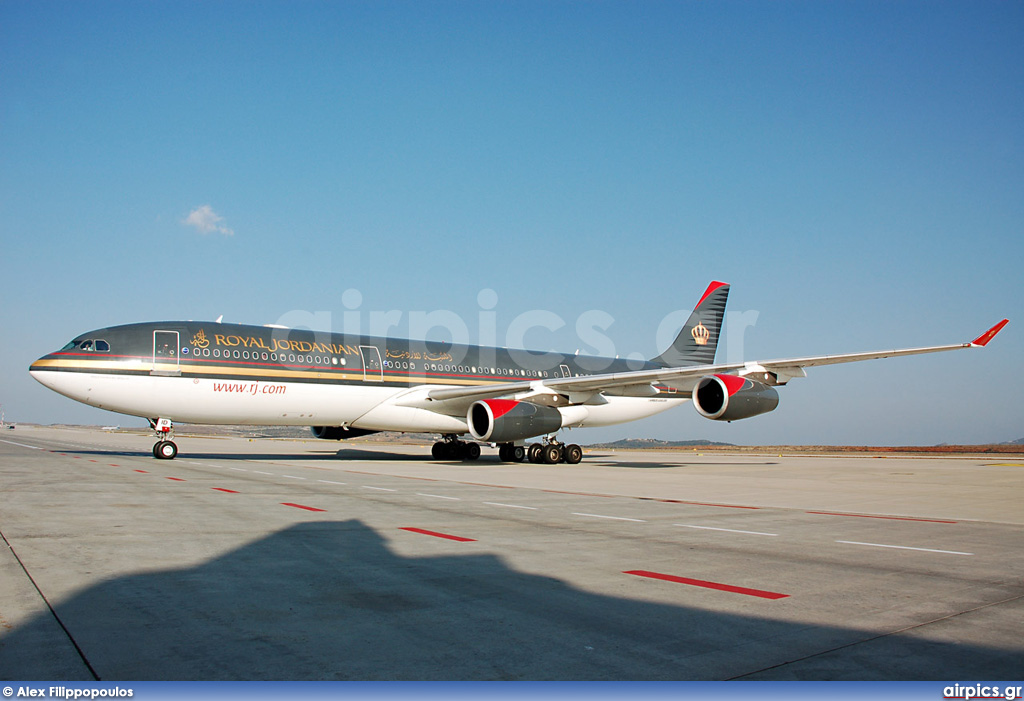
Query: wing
578	390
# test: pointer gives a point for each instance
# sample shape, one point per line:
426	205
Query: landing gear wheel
165	450
533	453
518	453
503	451
551	454
573	454
471	451
439	451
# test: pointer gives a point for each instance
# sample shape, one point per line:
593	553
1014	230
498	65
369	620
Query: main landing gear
165	449
550	452
554	452
451	448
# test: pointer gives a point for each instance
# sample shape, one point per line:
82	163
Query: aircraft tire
533	453
551	454
573	454
517	453
471	451
165	450
438	451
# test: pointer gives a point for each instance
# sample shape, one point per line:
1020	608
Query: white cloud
206	221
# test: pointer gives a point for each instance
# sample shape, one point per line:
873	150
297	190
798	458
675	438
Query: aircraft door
165	352
373	370
565	370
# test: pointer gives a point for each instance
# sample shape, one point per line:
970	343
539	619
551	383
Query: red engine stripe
500	407
732	383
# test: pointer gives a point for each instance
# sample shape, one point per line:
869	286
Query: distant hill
1019	441
635	443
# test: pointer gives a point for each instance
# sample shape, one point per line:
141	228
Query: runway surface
266	559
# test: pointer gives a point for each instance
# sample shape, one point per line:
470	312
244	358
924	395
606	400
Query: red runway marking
113	465
888	518
145	472
176	479
708	585
300	506
221	489
581	494
92	461
440	535
724	506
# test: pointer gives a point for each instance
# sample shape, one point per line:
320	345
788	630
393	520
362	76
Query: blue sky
854	169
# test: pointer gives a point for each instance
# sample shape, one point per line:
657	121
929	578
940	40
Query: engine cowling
729	397
338	433
505	420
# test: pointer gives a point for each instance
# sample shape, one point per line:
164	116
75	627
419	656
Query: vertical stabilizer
698	340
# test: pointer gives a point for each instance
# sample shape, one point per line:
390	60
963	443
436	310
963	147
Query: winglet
984	338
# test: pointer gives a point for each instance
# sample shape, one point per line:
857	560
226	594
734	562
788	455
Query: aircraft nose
43	372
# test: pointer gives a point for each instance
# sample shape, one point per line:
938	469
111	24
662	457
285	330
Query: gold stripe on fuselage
350	375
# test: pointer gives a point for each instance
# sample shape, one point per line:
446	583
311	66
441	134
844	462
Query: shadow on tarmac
330	600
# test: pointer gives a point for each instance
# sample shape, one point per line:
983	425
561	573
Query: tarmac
292	560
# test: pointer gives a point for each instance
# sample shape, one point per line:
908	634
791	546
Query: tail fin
698	340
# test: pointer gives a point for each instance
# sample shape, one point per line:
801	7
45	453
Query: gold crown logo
700	334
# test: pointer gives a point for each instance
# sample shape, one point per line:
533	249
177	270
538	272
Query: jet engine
506	420
338	433
729	397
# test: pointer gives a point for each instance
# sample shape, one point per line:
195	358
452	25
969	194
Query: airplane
344	386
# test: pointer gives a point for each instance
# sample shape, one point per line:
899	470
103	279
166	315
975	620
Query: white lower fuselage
252	401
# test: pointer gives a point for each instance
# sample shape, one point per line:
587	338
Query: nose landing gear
165	449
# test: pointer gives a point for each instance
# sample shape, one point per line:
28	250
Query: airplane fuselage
213	373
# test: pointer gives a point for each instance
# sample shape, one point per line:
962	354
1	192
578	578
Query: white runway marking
330	482
437	496
727	530
904	547
21	445
238	469
268	474
510	506
293	477
614	518
380	489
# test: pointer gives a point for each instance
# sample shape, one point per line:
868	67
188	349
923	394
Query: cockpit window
99	345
